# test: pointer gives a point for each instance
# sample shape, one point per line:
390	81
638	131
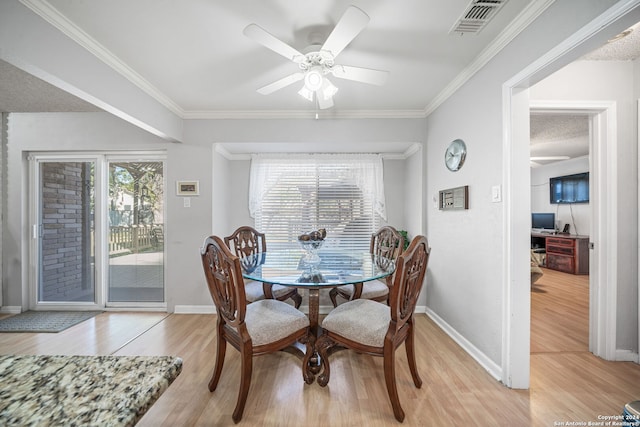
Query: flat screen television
543	221
569	188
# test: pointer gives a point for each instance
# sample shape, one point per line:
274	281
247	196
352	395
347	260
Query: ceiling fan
317	64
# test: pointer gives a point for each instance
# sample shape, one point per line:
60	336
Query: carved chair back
387	242
224	280
408	280
246	241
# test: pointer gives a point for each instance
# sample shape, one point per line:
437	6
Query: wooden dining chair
247	241
386	242
262	327
378	329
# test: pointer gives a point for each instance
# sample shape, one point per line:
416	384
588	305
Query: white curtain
363	170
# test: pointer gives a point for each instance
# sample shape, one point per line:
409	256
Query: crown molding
522	21
58	20
306	114
219	148
411	150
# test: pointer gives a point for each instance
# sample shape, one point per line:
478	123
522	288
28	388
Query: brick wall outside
65	252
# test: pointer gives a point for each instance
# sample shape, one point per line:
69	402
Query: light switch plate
496	194
187	202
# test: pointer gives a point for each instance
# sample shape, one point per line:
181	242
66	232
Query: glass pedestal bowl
311	247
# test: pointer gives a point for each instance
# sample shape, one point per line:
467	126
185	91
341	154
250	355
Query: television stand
566	253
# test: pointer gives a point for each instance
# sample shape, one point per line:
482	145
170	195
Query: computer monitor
543	221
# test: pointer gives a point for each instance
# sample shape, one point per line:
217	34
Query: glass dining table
328	268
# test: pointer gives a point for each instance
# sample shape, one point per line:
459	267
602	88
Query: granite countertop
82	390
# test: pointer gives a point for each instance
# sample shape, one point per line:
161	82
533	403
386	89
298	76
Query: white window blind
295	194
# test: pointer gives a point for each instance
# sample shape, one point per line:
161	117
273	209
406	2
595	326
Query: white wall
611	81
578	215
414	205
222	202
468	289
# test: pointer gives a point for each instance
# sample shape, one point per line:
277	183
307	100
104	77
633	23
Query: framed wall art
187	188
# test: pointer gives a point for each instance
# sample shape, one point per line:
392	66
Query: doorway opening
560	147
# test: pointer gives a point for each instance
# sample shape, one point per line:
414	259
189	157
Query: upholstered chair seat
270	320
374	289
255	291
363	321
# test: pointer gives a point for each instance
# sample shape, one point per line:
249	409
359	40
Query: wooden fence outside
135	238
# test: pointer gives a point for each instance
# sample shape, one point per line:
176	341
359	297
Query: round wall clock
455	155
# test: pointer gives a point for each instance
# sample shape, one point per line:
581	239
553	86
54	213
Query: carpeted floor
44	321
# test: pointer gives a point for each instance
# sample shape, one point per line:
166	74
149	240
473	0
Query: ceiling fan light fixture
313	79
306	93
328	89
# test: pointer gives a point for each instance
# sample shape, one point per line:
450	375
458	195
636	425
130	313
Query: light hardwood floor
566	386
560	313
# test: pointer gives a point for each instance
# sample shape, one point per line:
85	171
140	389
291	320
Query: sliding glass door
136	231
97	230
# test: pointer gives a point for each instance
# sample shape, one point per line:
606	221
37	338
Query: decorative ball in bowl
313	239
310	243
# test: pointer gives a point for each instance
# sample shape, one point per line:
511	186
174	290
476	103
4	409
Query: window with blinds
302	196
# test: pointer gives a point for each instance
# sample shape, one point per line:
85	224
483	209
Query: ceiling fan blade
348	27
269	41
358	74
279	84
323	103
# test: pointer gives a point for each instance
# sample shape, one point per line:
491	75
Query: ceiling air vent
477	14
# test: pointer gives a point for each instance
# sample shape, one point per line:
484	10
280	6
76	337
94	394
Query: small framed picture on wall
187	188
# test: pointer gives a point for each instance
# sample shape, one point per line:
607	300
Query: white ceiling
192	56
557	135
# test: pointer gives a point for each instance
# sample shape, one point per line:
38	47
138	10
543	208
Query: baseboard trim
626	356
489	365
11	309
194	309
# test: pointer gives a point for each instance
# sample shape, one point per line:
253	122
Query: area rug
44	321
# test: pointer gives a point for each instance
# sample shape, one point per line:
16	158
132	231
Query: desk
564	252
336	268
